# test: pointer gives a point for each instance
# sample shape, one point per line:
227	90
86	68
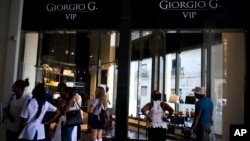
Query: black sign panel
71	14
105	14
187	14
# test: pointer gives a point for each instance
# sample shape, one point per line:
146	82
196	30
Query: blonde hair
102	97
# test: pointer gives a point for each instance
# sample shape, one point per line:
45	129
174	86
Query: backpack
103	118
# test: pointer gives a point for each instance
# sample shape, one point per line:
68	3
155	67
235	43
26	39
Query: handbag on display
173	98
74	117
190	99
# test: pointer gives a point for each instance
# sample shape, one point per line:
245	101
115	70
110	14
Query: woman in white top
33	114
65	103
155	113
13	107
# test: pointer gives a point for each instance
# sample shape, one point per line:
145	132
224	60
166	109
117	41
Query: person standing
78	99
65	103
202	121
95	109
12	108
154	111
48	98
33	113
107	97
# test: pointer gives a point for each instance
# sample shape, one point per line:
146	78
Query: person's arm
91	109
92	106
59	104
197	115
78	99
144	110
67	106
170	110
54	117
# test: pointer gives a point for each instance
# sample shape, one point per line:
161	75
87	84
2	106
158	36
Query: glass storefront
132	48
172	61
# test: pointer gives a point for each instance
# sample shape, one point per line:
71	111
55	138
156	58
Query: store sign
106	14
188	8
71	14
187	14
71	10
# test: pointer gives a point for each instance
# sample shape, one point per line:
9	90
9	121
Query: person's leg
162	134
94	134
11	136
202	132
157	134
67	133
99	134
47	132
78	132
95	128
150	134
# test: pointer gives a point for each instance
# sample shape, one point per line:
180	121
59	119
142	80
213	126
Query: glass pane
189	76
140	72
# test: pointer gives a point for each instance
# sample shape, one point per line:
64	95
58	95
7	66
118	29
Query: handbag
74	117
173	98
190	99
103	118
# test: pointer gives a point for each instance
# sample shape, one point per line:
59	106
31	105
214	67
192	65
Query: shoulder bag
103	118
74	117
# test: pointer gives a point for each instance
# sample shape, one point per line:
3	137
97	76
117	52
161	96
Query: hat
199	90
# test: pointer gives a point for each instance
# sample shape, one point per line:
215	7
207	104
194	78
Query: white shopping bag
57	136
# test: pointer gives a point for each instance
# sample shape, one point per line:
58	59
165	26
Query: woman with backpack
95	109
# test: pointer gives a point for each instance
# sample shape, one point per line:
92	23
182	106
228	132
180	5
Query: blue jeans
67	133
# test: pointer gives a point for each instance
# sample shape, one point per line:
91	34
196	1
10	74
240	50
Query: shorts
95	124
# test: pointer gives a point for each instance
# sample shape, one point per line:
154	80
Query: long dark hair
39	94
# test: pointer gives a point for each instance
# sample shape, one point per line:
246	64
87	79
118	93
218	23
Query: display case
58	71
54	71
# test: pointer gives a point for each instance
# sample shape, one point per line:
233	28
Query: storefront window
170	61
82	59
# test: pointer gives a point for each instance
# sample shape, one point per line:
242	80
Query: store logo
71	9
238	132
188	8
